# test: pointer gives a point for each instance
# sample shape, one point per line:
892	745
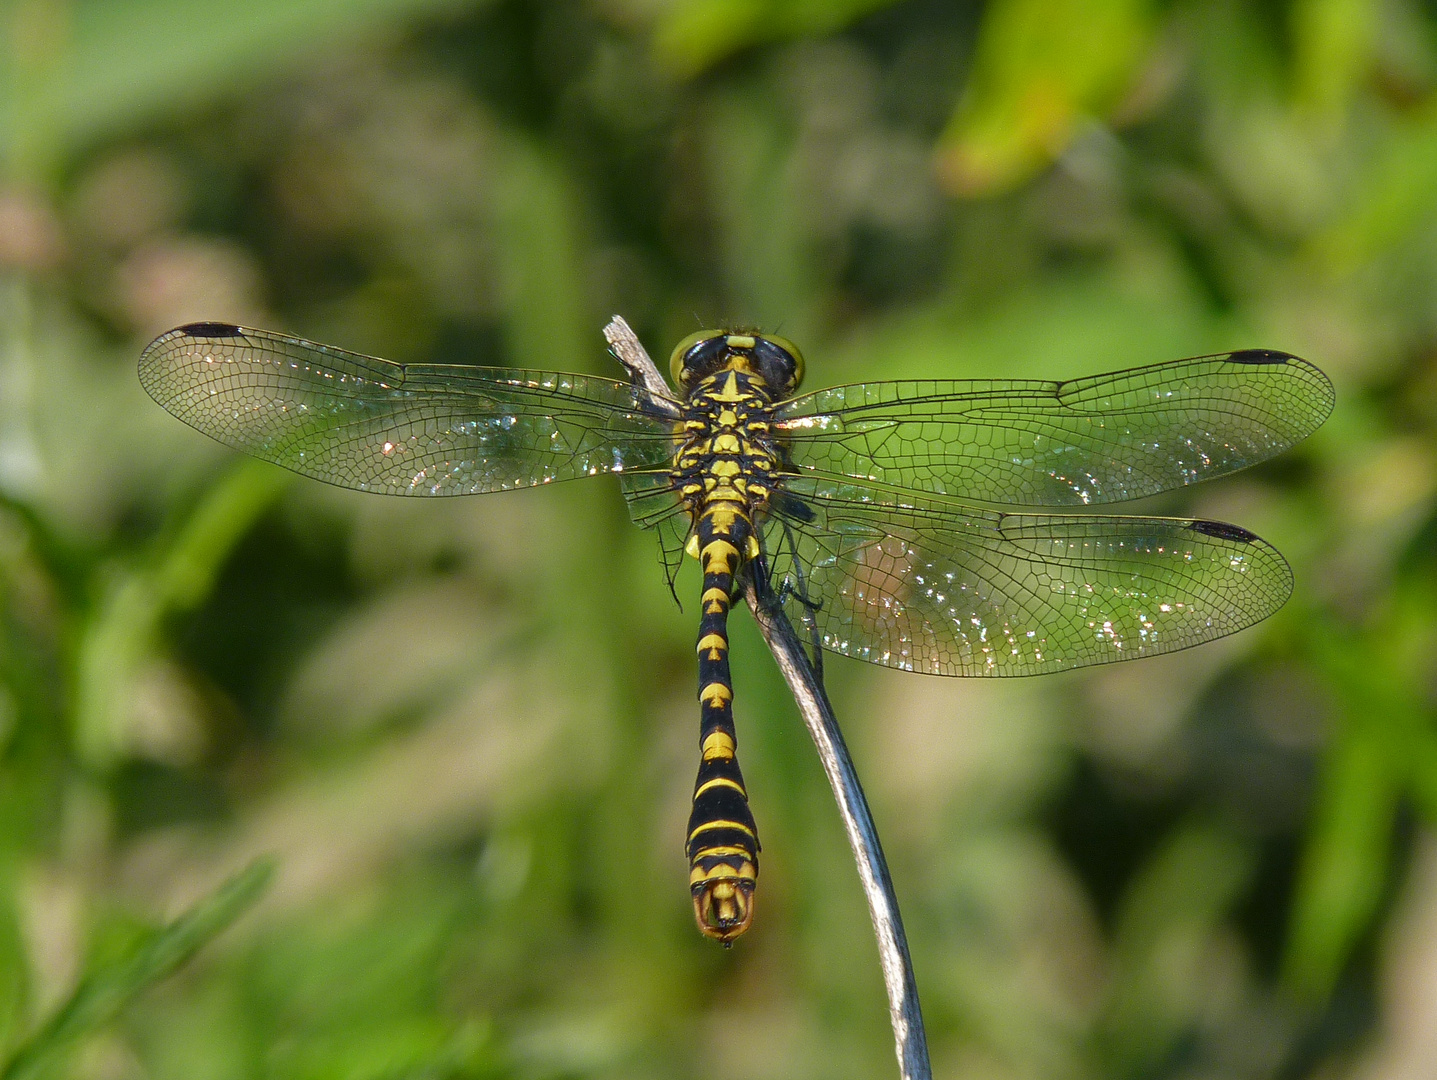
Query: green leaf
14	965
1346	862
1040	68
1332	50
122	633
96	66
692	36
103	993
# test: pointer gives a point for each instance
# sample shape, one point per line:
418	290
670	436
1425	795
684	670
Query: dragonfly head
774	359
723	907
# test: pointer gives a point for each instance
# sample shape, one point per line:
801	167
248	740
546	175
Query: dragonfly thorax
727	456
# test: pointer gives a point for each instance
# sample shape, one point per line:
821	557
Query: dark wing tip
1260	356
1319	396
1222	531
158	354
209	329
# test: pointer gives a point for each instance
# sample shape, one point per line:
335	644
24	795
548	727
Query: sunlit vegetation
464	729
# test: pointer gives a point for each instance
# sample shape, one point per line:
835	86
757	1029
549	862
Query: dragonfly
937	526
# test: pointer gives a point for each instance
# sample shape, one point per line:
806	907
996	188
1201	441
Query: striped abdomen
722	838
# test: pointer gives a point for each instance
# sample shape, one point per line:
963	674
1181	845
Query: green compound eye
677	367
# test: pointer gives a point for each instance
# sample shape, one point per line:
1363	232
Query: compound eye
796	356
678	365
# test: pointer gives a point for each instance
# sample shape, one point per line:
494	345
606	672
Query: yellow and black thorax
727	457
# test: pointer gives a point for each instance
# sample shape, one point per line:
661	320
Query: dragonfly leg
795	587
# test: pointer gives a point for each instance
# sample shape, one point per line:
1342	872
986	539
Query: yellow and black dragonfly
903	523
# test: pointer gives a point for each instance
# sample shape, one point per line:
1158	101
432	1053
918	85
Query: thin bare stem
910	1041
631	353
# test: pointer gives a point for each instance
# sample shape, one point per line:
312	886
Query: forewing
416	429
1101	439
952	590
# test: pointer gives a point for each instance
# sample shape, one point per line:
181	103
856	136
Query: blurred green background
466	728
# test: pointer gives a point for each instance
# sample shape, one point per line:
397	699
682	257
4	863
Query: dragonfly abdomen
722	843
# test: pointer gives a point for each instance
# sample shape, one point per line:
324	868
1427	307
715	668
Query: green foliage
94	67
13	981
464	728
695	34
122	633
1040	70
152	955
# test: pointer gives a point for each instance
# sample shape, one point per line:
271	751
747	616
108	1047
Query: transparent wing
1101	439
416	429
937	587
654	503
